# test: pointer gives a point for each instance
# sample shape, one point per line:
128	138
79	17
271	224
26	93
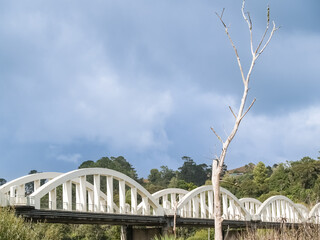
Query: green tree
178	183
154	176
119	164
192	172
260	175
279	180
305	172
87	164
2	181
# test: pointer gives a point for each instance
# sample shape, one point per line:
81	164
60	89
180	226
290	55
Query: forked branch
249	22
234	47
247	18
217	135
253	101
232	112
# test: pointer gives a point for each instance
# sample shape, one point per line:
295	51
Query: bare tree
217	163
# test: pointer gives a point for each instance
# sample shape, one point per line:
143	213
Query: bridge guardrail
197	203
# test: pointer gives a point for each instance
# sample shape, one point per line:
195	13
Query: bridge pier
167	229
126	232
232	234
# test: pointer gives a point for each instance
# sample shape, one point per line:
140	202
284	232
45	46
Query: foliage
260	175
178	183
306	232
298	180
166	237
161	178
14	228
202	234
2	181
119	164
189	176
192	172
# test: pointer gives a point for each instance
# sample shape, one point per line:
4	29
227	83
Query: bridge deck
74	217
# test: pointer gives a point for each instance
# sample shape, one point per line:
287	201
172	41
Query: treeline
297	180
189	176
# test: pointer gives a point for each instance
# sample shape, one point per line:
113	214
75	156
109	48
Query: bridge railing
76	193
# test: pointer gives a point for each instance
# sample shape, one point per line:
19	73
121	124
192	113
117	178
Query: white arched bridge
102	193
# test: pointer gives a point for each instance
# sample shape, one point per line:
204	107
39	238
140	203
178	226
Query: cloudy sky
80	80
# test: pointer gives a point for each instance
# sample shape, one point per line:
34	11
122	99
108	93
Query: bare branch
222	13
232	112
225	132
217	135
270	37
265	32
220	17
248	108
249	22
234	47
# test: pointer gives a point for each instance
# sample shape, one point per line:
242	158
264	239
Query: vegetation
15	228
298	180
307	232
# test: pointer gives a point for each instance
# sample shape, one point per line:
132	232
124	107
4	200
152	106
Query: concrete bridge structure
105	196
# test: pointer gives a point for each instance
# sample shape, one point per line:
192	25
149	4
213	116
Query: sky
80	80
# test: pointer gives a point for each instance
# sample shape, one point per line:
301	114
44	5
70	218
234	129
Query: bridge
105	196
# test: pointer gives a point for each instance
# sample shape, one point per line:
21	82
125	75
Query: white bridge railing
108	191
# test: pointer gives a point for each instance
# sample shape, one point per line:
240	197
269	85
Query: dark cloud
146	80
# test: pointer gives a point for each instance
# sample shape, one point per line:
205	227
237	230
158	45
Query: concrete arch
314	215
150	205
279	208
251	205
199	203
4	201
303	209
14	190
89	188
169	198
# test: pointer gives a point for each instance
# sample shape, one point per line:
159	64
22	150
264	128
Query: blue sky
80	80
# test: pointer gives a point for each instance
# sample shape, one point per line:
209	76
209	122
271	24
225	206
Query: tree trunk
217	202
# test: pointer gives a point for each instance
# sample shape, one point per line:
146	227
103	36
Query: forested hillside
298	180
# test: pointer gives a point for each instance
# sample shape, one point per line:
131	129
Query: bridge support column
13	194
210	204
96	192
67	195
109	194
52	200
82	194
122	196
195	207
168	228
90	201
231	234
126	233
203	205
21	193
145	206
134	200
36	185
